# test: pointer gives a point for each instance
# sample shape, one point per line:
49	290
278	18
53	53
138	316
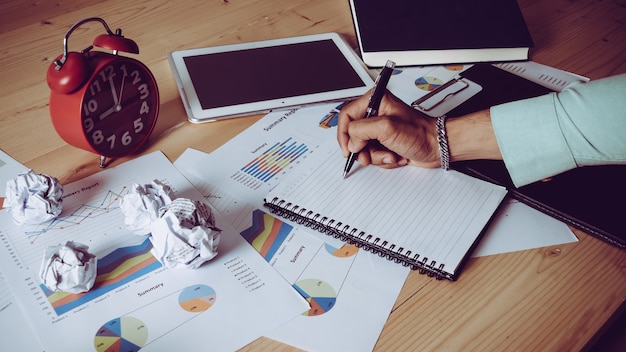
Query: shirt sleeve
583	125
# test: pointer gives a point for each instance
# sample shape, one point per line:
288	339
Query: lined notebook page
437	214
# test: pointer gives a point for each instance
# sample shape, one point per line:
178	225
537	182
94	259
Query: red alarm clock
103	102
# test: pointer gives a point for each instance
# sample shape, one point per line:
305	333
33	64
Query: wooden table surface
554	298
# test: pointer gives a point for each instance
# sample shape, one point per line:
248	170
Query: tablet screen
266	73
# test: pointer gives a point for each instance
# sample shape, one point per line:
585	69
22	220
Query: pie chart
454	67
320	295
197	298
347	250
428	83
126	334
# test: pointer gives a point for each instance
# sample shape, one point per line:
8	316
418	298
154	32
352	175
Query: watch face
120	107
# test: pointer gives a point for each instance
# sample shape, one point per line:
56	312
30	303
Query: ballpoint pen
380	85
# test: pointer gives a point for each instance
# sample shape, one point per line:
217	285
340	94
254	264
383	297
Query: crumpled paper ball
69	268
185	236
141	205
33	198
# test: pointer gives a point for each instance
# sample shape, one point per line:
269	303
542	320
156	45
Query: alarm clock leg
102	161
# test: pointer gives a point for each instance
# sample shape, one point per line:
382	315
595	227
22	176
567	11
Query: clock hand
116	99
113	91
119	99
108	112
117	108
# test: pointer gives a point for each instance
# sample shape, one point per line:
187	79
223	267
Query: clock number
143	89
90	106
88	124
111	139
135	74
117	133
95	88
126	138
136	77
145	108
138	125
107	73
97	137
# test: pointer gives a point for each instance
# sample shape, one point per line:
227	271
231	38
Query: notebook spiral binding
353	236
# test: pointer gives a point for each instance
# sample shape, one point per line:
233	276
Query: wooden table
553	298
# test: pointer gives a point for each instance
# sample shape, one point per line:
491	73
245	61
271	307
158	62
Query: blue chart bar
275	159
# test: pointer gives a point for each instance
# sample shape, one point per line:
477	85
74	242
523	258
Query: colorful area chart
126	334
197	298
114	270
320	295
428	83
266	234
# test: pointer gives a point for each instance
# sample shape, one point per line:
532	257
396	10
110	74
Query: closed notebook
428	219
424	32
587	198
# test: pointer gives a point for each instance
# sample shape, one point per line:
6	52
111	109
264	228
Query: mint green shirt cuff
583	125
530	139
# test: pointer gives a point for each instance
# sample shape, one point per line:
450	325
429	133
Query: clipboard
445	98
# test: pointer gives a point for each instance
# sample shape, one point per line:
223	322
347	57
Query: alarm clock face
119	107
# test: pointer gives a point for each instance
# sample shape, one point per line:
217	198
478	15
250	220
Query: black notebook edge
513	87
439	51
544	208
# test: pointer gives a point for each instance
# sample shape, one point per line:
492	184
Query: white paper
141	205
159	309
237	189
546	76
9	168
343	282
517	227
69	268
16	333
433	213
185	236
33	198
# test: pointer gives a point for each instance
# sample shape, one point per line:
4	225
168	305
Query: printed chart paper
339	281
136	304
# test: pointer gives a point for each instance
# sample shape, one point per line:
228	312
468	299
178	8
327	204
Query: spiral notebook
428	219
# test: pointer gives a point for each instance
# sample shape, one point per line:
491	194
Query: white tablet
251	78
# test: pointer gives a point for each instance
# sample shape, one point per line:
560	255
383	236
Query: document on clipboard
458	90
447	97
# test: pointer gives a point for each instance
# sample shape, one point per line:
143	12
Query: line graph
108	203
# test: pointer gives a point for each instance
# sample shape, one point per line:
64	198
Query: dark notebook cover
413	25
587	198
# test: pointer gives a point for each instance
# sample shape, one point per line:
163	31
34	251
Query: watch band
442	140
